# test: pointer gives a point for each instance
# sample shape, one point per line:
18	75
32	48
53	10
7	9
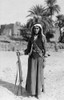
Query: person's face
36	30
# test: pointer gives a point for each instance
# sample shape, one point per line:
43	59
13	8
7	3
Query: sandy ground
53	76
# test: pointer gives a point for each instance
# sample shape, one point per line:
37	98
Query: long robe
35	77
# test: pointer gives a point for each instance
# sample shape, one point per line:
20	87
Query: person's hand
18	53
22	53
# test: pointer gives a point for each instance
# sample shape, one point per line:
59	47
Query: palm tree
38	14
52	7
37	10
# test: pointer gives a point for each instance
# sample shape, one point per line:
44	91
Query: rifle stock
19	71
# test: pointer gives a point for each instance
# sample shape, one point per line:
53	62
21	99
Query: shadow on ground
14	89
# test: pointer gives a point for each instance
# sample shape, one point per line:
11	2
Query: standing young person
36	49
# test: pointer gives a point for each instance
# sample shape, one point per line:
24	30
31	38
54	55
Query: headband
38	25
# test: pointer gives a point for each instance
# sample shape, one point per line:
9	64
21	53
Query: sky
12	11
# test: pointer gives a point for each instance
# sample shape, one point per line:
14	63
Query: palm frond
51	2
36	10
56	8
52	7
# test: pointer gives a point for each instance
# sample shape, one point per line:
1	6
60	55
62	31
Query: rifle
19	72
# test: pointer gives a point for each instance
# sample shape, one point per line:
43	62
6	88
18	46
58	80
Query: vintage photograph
31	49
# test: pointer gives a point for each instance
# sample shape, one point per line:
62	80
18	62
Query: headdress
39	25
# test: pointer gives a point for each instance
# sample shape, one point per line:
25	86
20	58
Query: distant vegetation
16	33
44	15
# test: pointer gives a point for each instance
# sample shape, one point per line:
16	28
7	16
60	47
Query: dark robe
35	77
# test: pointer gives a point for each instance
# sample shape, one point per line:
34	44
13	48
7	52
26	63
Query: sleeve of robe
44	44
28	49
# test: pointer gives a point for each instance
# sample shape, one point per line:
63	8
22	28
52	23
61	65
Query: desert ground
53	76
